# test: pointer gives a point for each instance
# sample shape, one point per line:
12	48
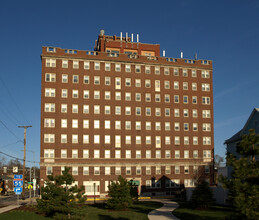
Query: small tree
133	191
119	194
202	196
244	184
59	198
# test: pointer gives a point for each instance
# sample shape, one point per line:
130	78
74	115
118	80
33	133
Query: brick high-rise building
124	110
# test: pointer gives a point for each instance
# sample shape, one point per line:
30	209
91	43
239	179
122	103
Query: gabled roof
238	135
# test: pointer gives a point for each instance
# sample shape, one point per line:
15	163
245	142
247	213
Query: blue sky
226	32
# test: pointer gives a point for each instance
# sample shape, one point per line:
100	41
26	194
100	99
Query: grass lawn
185	212
92	212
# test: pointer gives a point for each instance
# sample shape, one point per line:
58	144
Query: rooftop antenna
121	36
181	55
137	38
163	53
195	56
131	37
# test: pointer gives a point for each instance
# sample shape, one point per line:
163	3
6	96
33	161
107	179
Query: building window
205	74
117	125
107	66
177	170
138	110
50	62
96	124
147	69
117	67
127	68
97	109
186	126
85	153
117	96
74	153
194	113
157	85
188	183
177	126
96	170
138	83
128	125
206	113
107	110
194	73
167	154
75	64
176	112
63	138
194	86
205	100
74	108
185	73
176	99
148	125
185	85
85	139
148	139
158	111
195	154
148	172
49	107
167	112
138	97
117	110
86	65
176	85
148	154
206	140
96	139
64	63
64	93
107	171
177	154
148	83
148	111
128	154
195	126
97	80
107	154
186	154
127	110
107	139
117	83
117	141
138	139
63	108
177	140
206	127
49	122
185	113
137	69
128	170
75	94
167	98
186	140
96	65
117	154
127	139
96	153
138	125
128	82
107	124
75	79
49	153
74	138
195	140
74	123
96	94
148	97
107	81
167	140
167	126
185	99
117	171
158	154
157	70
85	123
166	71
138	170
158	126
176	72
49	92
86	109
158	170
85	170
64	78
48	170
63	153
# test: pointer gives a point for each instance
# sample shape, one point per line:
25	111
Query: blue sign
17	176
18	190
17	183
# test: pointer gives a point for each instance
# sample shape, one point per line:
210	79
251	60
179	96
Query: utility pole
24	157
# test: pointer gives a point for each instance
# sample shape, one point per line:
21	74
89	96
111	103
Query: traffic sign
17	183
34	184
18	190
30	187
17	176
15	169
1	189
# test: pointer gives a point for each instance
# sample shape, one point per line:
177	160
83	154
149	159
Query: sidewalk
21	203
165	212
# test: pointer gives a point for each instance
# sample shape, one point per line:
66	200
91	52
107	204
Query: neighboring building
231	143
124	110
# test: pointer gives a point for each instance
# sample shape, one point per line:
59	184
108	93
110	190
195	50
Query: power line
17	158
10	116
10	144
12	98
10	130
